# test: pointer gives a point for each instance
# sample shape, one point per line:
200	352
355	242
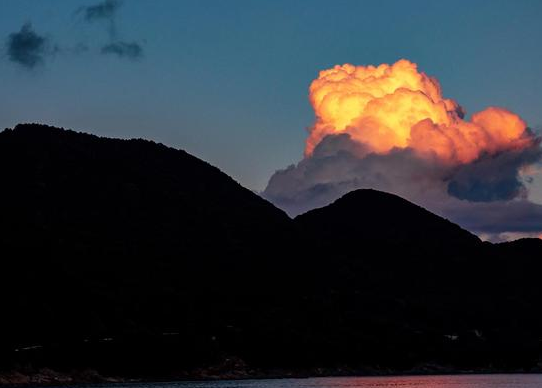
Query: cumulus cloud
130	50
388	127
339	164
27	48
486	197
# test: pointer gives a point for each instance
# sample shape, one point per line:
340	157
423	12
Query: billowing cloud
396	106
27	48
389	128
130	50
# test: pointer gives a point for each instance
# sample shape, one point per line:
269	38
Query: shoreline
46	377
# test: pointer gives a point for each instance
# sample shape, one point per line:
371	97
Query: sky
228	81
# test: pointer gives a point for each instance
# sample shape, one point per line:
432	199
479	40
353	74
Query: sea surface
471	381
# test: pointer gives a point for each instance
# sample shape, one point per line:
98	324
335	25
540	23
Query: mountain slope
375	216
106	238
415	288
137	259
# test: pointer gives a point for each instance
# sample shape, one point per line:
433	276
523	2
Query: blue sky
227	80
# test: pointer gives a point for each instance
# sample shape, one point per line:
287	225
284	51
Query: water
473	381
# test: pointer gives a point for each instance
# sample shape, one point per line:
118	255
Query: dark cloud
486	196
130	50
27	48
104	10
493	178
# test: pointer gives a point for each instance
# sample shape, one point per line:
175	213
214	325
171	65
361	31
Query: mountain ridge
110	244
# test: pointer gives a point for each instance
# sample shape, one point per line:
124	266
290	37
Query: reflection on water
475	381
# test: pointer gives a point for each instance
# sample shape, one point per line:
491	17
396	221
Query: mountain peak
368	215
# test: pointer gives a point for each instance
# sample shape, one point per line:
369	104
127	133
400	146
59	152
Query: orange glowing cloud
396	106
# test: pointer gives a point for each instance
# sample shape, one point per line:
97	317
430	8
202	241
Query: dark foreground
433	381
128	258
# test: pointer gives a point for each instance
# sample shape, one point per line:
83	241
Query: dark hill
381	218
106	238
415	288
523	246
137	259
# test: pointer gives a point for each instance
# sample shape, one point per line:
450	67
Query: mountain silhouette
381	218
140	260
105	238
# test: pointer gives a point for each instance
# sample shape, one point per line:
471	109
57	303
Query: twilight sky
228	80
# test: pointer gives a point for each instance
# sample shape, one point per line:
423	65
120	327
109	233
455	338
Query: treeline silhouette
140	260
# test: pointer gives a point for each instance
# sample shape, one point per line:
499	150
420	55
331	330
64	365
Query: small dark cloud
26	47
29	49
105	10
129	50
